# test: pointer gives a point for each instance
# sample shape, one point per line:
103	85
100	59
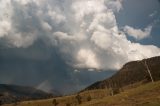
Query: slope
130	73
15	93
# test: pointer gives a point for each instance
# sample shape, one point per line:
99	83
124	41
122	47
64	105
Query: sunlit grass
144	95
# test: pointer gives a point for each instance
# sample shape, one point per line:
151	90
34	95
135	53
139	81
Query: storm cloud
71	43
86	37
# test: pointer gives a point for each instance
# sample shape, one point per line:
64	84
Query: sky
67	45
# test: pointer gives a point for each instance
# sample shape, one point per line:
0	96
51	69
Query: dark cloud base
41	42
38	64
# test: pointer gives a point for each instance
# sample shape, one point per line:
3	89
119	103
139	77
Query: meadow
143	95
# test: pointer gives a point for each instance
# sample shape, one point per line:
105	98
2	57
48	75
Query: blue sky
68	45
137	13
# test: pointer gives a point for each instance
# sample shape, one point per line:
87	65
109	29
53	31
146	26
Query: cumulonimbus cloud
84	31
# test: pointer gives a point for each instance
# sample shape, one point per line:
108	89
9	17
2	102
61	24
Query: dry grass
62	101
144	95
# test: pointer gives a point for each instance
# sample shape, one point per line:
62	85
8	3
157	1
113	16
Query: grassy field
144	95
63	101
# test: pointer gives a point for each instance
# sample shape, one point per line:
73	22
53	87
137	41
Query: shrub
68	104
79	99
55	102
0	102
15	102
114	91
89	98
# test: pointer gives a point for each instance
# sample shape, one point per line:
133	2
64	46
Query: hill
143	95
130	73
133	79
15	93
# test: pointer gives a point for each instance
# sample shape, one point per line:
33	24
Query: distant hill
143	95
56	93
130	73
15	93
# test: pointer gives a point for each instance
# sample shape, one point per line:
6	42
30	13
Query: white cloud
137	51
87	58
21	39
46	26
138	33
5	27
83	8
115	5
103	20
5	18
23	2
102	39
58	18
85	32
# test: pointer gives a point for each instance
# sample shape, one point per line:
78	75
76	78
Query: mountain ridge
15	93
130	73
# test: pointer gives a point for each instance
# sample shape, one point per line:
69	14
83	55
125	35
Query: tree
55	102
78	97
89	98
148	70
0	102
1	95
15	102
68	104
116	91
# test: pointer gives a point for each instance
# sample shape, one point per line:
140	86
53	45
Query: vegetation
122	89
68	104
55	103
89	98
126	75
14	93
0	102
144	95
79	99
